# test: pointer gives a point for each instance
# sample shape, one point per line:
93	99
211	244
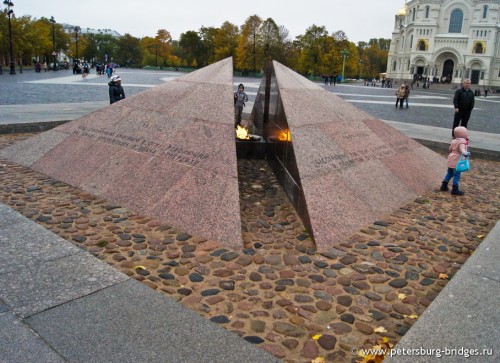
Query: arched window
485	11
414	13
456	20
478	49
427	10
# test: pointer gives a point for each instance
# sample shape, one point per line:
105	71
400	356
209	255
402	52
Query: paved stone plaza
279	293
427	107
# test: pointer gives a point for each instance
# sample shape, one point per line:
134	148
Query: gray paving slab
463	316
49	112
51	283
463	323
25	245
130	322
485	260
20	344
9	216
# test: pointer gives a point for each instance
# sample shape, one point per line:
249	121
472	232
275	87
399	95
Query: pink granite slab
188	146
148	179
413	171
352	167
211	103
398	141
208	203
335	209
376	186
168	152
74	159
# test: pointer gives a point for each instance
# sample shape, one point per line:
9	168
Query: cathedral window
456	20
485	11
427	9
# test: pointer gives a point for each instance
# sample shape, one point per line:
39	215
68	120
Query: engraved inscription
348	159
140	144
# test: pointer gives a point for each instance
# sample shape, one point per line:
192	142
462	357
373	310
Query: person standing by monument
400	95
458	148
116	92
240	97
463	101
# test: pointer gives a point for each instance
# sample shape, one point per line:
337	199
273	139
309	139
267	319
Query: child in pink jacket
457	148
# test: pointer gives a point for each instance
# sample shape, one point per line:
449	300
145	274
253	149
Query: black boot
455	191
444	186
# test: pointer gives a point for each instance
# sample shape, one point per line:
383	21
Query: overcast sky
361	20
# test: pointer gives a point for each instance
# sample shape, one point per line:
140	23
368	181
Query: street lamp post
344	53
360	66
77	33
53	21
10	4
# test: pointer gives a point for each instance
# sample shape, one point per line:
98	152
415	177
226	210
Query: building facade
447	41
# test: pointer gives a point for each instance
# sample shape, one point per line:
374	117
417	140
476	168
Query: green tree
129	52
191	48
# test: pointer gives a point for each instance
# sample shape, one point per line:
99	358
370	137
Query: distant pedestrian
458	148
240	97
463	101
486	90
407	95
116	92
109	70
45	66
400	95
86	70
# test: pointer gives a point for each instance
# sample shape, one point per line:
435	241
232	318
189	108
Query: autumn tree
272	41
246	52
226	41
313	45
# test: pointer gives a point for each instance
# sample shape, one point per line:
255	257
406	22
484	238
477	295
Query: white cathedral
447	41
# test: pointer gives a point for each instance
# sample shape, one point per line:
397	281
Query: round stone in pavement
220	319
196	277
254	339
398	283
183	237
327	341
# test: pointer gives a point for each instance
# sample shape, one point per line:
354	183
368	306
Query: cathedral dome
402	11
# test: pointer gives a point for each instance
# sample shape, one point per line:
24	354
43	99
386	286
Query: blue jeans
453	173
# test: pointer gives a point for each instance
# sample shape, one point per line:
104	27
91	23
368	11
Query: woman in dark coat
116	92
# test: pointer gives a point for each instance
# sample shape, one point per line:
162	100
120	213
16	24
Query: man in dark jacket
464	103
116	92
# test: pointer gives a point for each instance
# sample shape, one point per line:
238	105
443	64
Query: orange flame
242	133
285	136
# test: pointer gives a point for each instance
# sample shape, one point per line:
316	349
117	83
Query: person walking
116	92
240	97
458	148
406	96
463	101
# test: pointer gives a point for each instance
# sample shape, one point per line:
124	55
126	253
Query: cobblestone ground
278	292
